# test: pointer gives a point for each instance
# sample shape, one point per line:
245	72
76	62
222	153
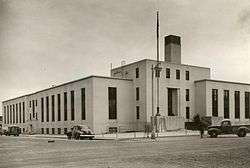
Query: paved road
176	152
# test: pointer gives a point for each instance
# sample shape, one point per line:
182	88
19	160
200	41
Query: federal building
127	99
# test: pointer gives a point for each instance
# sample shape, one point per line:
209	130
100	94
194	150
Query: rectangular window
187	112
247	104
72	95
58	130
65	106
137	112
33	108
42	110
65	131
8	115
187	94
53	130
112	94
23	112
20	113
30	117
215	102
4	114
16	113
42	130
187	75
83	104
167	72
30	104
178	75
47	108
237	104
137	72
47	130
53	107
36	102
137	93
58	107
226	104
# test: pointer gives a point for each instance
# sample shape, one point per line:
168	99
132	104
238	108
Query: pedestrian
201	129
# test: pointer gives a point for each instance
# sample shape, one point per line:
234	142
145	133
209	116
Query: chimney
173	49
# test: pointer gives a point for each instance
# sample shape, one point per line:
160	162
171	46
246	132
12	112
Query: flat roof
221	81
156	61
63	84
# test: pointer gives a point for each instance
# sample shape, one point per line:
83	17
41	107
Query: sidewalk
121	136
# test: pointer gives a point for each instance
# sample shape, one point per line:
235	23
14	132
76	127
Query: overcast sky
49	42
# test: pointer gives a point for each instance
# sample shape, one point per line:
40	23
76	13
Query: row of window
168	74
227	104
52	131
15	113
45	101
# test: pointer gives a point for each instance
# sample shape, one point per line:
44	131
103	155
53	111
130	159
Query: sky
49	42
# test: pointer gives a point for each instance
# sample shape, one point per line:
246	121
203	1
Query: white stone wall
221	86
96	97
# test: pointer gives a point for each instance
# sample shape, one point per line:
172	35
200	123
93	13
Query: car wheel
213	134
242	133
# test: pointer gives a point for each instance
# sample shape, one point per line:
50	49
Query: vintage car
13	130
227	128
80	132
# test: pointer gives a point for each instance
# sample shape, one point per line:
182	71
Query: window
65	106
167	72
137	112
112	103
8	115
33	108
23	112
215	102
47	130
187	112
16	113
23	129
30	104
137	93
42	110
58	107
65	131
36	102
14	116
137	72
47	108
178	75
30	117
187	75
237	104
247	103
20	113
4	114
72	95
226	103
42	130
83	103
53	130
53	107
58	130
187	94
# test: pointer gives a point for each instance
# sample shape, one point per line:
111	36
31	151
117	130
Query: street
189	151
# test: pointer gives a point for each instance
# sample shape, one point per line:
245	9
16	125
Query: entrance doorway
173	101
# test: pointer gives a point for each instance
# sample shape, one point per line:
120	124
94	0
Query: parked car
227	128
80	132
13	130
